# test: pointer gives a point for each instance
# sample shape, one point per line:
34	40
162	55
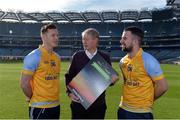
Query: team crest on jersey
129	68
53	63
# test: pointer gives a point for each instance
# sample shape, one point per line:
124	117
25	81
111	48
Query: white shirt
90	56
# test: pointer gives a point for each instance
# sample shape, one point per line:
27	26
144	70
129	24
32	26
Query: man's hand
28	99
73	97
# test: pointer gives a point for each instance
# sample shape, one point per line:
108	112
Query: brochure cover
92	80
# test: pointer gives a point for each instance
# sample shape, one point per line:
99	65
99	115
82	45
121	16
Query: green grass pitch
13	105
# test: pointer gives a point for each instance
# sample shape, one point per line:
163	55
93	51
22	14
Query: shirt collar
90	56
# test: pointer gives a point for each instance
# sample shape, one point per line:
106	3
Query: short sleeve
152	66
31	62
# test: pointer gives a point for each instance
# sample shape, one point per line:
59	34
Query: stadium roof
88	16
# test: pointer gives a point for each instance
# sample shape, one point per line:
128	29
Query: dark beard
128	50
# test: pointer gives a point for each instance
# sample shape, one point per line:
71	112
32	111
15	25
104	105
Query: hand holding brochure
92	80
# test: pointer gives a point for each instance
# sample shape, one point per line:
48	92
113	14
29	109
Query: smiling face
127	41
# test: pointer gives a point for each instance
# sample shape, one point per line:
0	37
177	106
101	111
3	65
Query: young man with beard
144	81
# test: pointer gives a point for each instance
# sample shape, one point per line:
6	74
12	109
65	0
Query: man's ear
136	41
43	36
97	41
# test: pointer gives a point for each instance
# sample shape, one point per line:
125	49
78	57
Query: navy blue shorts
44	113
123	114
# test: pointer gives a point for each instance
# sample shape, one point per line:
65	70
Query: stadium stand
19	33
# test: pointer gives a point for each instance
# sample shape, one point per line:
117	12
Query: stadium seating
162	38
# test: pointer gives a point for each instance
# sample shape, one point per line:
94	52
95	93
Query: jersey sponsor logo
46	62
132	83
51	77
